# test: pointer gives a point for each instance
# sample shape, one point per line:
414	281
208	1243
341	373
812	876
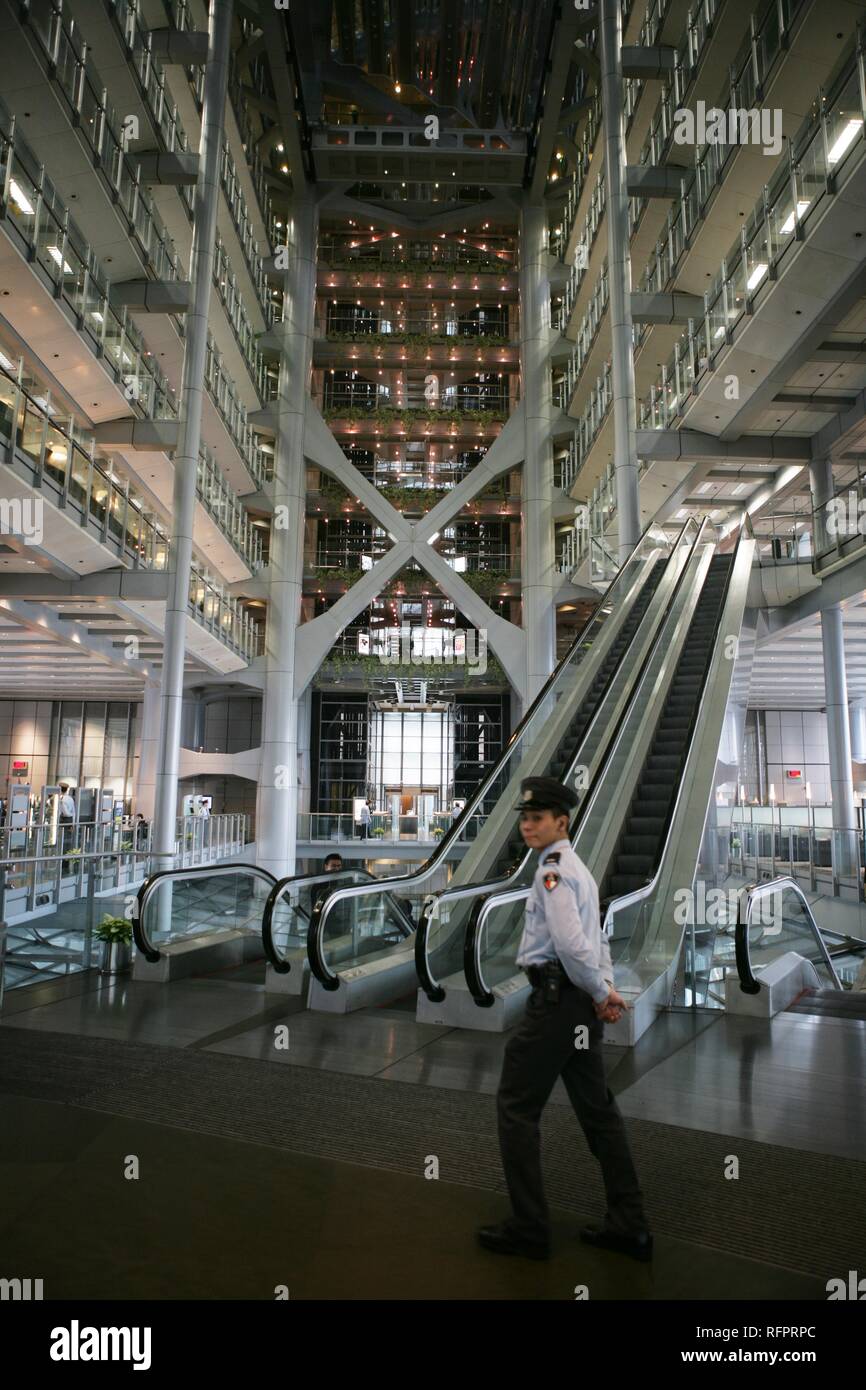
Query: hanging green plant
333	574
486	582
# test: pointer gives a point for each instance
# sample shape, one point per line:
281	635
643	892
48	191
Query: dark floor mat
787	1207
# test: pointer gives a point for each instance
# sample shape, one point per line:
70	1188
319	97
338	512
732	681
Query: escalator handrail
440	852
142	941
280	963
615	905
749	983
472	968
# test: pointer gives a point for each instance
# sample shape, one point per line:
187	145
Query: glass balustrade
32	207
347	399
223	616
389	252
63	48
830	136
230	295
184	20
64	464
493	328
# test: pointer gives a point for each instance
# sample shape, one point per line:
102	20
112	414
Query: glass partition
196	902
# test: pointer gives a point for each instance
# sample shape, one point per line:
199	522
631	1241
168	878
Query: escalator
779	941
640	826
636	856
515	851
566	727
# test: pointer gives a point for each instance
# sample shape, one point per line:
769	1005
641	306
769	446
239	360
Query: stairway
636	856
831	1003
562	759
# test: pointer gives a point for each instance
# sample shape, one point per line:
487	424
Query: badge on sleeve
550	880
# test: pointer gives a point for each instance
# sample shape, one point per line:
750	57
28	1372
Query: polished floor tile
177	1015
367	1043
796	1081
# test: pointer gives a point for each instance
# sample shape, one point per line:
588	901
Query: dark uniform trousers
542	1049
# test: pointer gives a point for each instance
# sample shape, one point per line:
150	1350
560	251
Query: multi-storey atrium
399	401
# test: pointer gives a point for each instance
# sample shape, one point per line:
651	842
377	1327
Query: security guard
568	963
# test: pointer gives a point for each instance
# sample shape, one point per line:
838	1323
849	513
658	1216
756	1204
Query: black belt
538	973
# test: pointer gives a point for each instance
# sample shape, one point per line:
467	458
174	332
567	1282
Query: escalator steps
635	858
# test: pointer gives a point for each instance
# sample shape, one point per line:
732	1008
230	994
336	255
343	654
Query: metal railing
817	154
351	397
385	828
395	325
350	252
30	205
100	126
760	842
62	462
747	898
222	615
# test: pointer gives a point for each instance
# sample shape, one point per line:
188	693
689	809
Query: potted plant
115	936
378	832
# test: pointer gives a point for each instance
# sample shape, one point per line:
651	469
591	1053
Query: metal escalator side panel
648	973
603	824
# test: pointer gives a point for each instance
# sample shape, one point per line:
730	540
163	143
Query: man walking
568	963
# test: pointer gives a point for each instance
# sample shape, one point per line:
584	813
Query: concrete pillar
857	719
189	425
276	812
305	714
619	280
539	617
839	735
145	785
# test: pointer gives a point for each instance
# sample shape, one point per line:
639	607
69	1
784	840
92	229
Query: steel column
276	812
537	552
145	784
189	425
838	732
619	275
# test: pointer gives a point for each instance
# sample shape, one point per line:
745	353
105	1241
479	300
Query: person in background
366	819
67	806
333	863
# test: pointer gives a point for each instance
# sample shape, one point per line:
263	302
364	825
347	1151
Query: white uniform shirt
366	818
67	806
563	922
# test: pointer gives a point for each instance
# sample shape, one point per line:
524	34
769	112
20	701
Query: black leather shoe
639	1247
502	1241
